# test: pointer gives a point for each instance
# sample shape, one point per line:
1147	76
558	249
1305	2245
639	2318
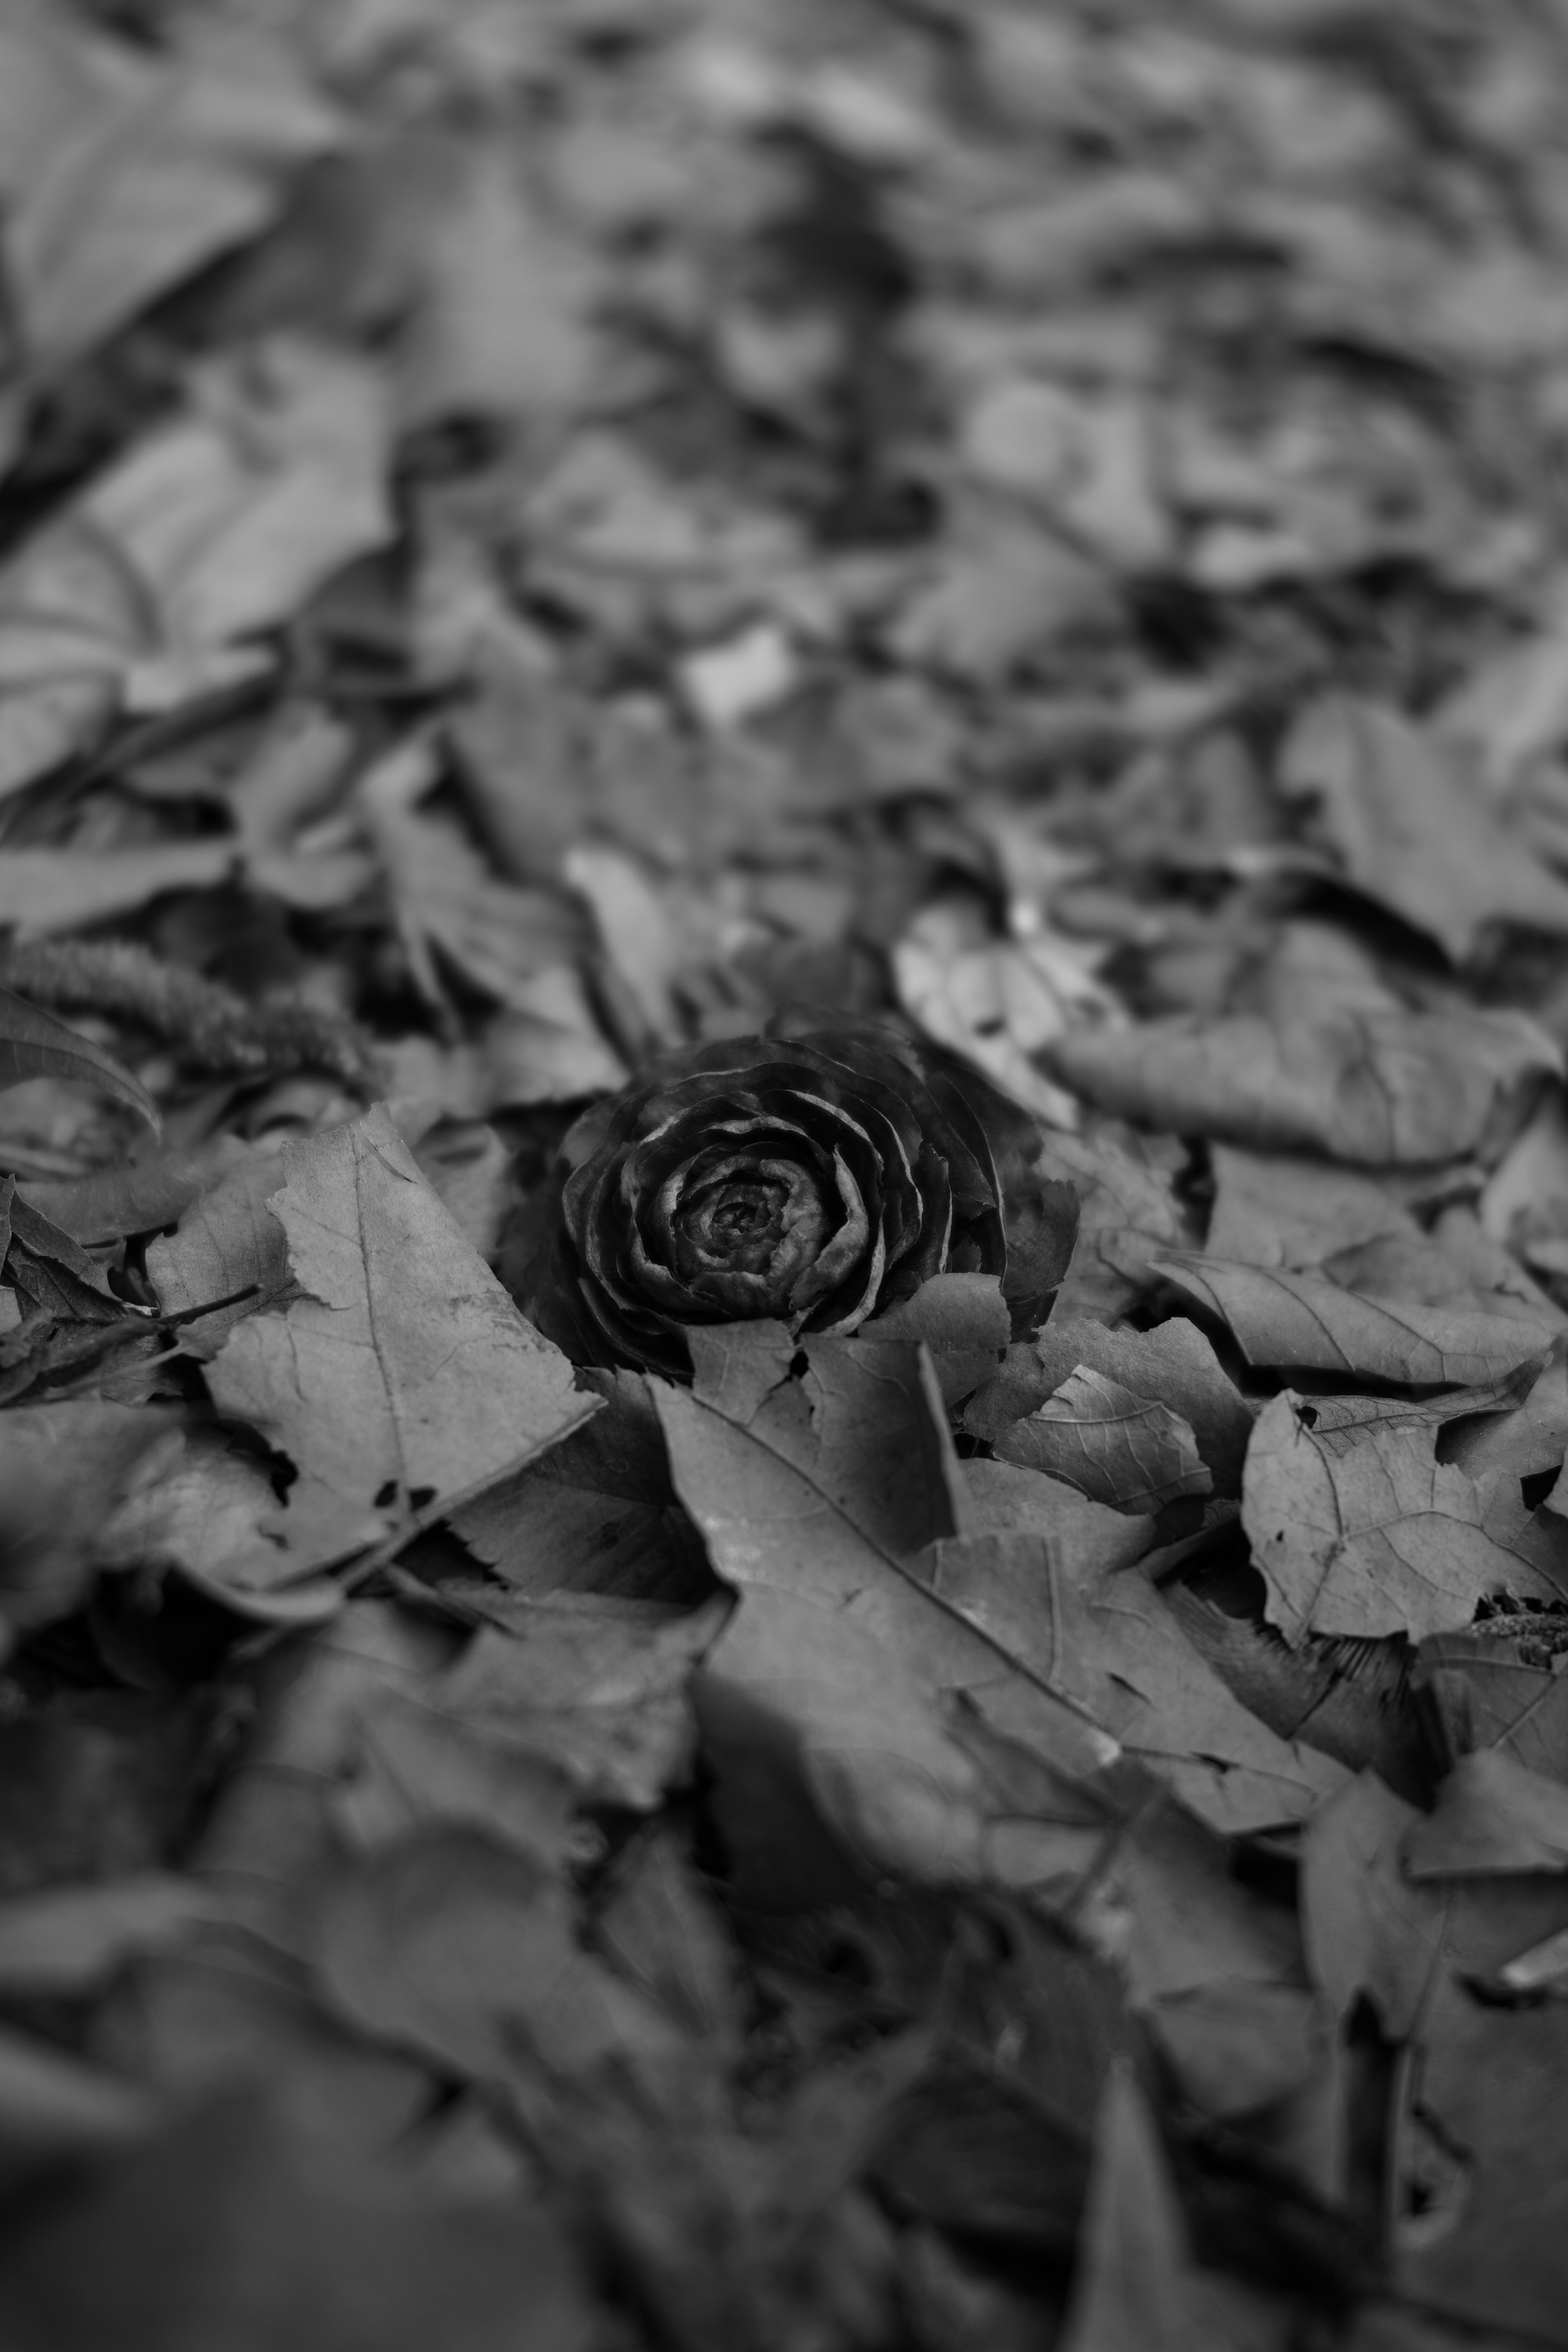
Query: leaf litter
534	539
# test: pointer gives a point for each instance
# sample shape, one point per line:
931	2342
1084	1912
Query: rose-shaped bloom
815	1179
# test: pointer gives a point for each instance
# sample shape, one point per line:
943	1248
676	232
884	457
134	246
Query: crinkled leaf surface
1174	1362
1358	1529
1128	1451
405	1377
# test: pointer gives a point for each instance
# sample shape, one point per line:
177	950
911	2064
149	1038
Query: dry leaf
1357	1528
405	1377
1128	1451
1302	1322
1411	830
1377	1089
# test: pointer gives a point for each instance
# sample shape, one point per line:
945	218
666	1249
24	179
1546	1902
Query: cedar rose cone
818	1178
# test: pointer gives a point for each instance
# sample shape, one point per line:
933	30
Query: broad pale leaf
1282	1211
406	1378
1358	1529
1304	1322
1376	1087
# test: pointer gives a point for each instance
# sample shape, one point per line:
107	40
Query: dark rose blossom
817	1179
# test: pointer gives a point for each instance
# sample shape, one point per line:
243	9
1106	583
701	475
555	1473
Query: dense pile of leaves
864	710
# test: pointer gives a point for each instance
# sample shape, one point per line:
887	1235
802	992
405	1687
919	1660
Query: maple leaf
1358	1529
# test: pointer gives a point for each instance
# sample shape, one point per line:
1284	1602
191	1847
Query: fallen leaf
214	1519
233	513
875	1703
1278	1210
501	938
1070	1607
1119	1448
260	2228
1377	1089
1410	830
225	1242
354	1380
1304	1322
1172	1362
1367	1928
447	1941
1129	2288
73	617
1493	1817
34	1045
1491	1691
598	1686
503	326
414	1765
44	890
138	1197
63	1467
997	1004
151	169
1357	1528
72	1940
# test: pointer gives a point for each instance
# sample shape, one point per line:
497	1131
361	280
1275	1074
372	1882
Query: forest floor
541	534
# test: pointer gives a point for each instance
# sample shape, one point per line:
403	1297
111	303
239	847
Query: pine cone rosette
818	1179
